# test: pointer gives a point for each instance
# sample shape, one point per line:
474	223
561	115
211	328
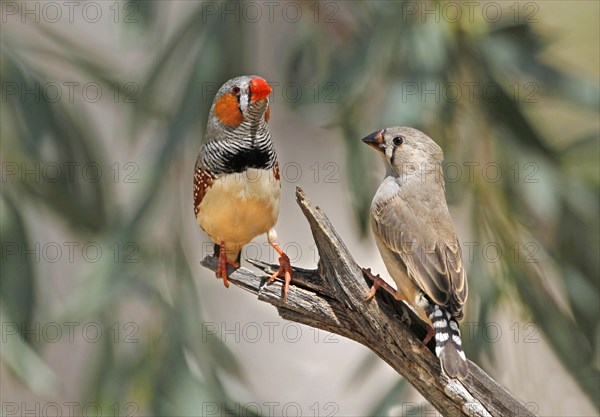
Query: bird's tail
448	346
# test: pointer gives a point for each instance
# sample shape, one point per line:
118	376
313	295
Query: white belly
239	207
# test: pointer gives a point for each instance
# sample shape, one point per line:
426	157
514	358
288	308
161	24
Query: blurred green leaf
23	361
56	145
513	50
18	293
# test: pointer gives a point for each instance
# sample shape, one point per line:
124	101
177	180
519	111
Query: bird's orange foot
379	282
428	336
223	262
285	268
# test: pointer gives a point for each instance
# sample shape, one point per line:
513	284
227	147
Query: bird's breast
240	206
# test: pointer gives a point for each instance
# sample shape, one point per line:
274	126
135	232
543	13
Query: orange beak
375	140
259	89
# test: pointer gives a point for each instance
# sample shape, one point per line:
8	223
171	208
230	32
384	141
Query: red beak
259	89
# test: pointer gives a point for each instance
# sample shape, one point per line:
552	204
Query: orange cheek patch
228	111
268	114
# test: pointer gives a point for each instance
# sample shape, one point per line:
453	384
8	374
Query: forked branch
332	298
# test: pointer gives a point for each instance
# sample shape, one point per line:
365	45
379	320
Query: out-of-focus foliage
373	54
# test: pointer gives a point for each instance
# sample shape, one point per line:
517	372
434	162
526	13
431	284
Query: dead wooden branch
332	298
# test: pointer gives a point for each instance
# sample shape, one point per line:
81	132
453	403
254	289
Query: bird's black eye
398	140
235	90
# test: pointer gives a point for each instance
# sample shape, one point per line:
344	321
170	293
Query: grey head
406	151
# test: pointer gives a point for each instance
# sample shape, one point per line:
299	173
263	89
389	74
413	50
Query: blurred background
105	309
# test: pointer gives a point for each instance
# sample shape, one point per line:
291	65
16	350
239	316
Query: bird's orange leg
429	335
285	266
223	262
379	282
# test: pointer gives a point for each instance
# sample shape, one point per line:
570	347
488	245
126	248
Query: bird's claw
285	268
375	278
378	282
428	336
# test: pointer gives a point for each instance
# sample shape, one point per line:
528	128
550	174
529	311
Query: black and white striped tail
447	342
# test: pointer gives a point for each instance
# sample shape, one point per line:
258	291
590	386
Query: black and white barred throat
248	145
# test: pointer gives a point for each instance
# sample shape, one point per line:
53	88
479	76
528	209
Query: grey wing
421	235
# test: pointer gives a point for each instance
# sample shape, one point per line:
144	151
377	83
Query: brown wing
420	233
203	180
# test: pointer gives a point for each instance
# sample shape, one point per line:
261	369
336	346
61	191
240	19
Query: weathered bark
332	298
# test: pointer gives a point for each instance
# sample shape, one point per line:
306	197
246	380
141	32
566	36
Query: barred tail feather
448	346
